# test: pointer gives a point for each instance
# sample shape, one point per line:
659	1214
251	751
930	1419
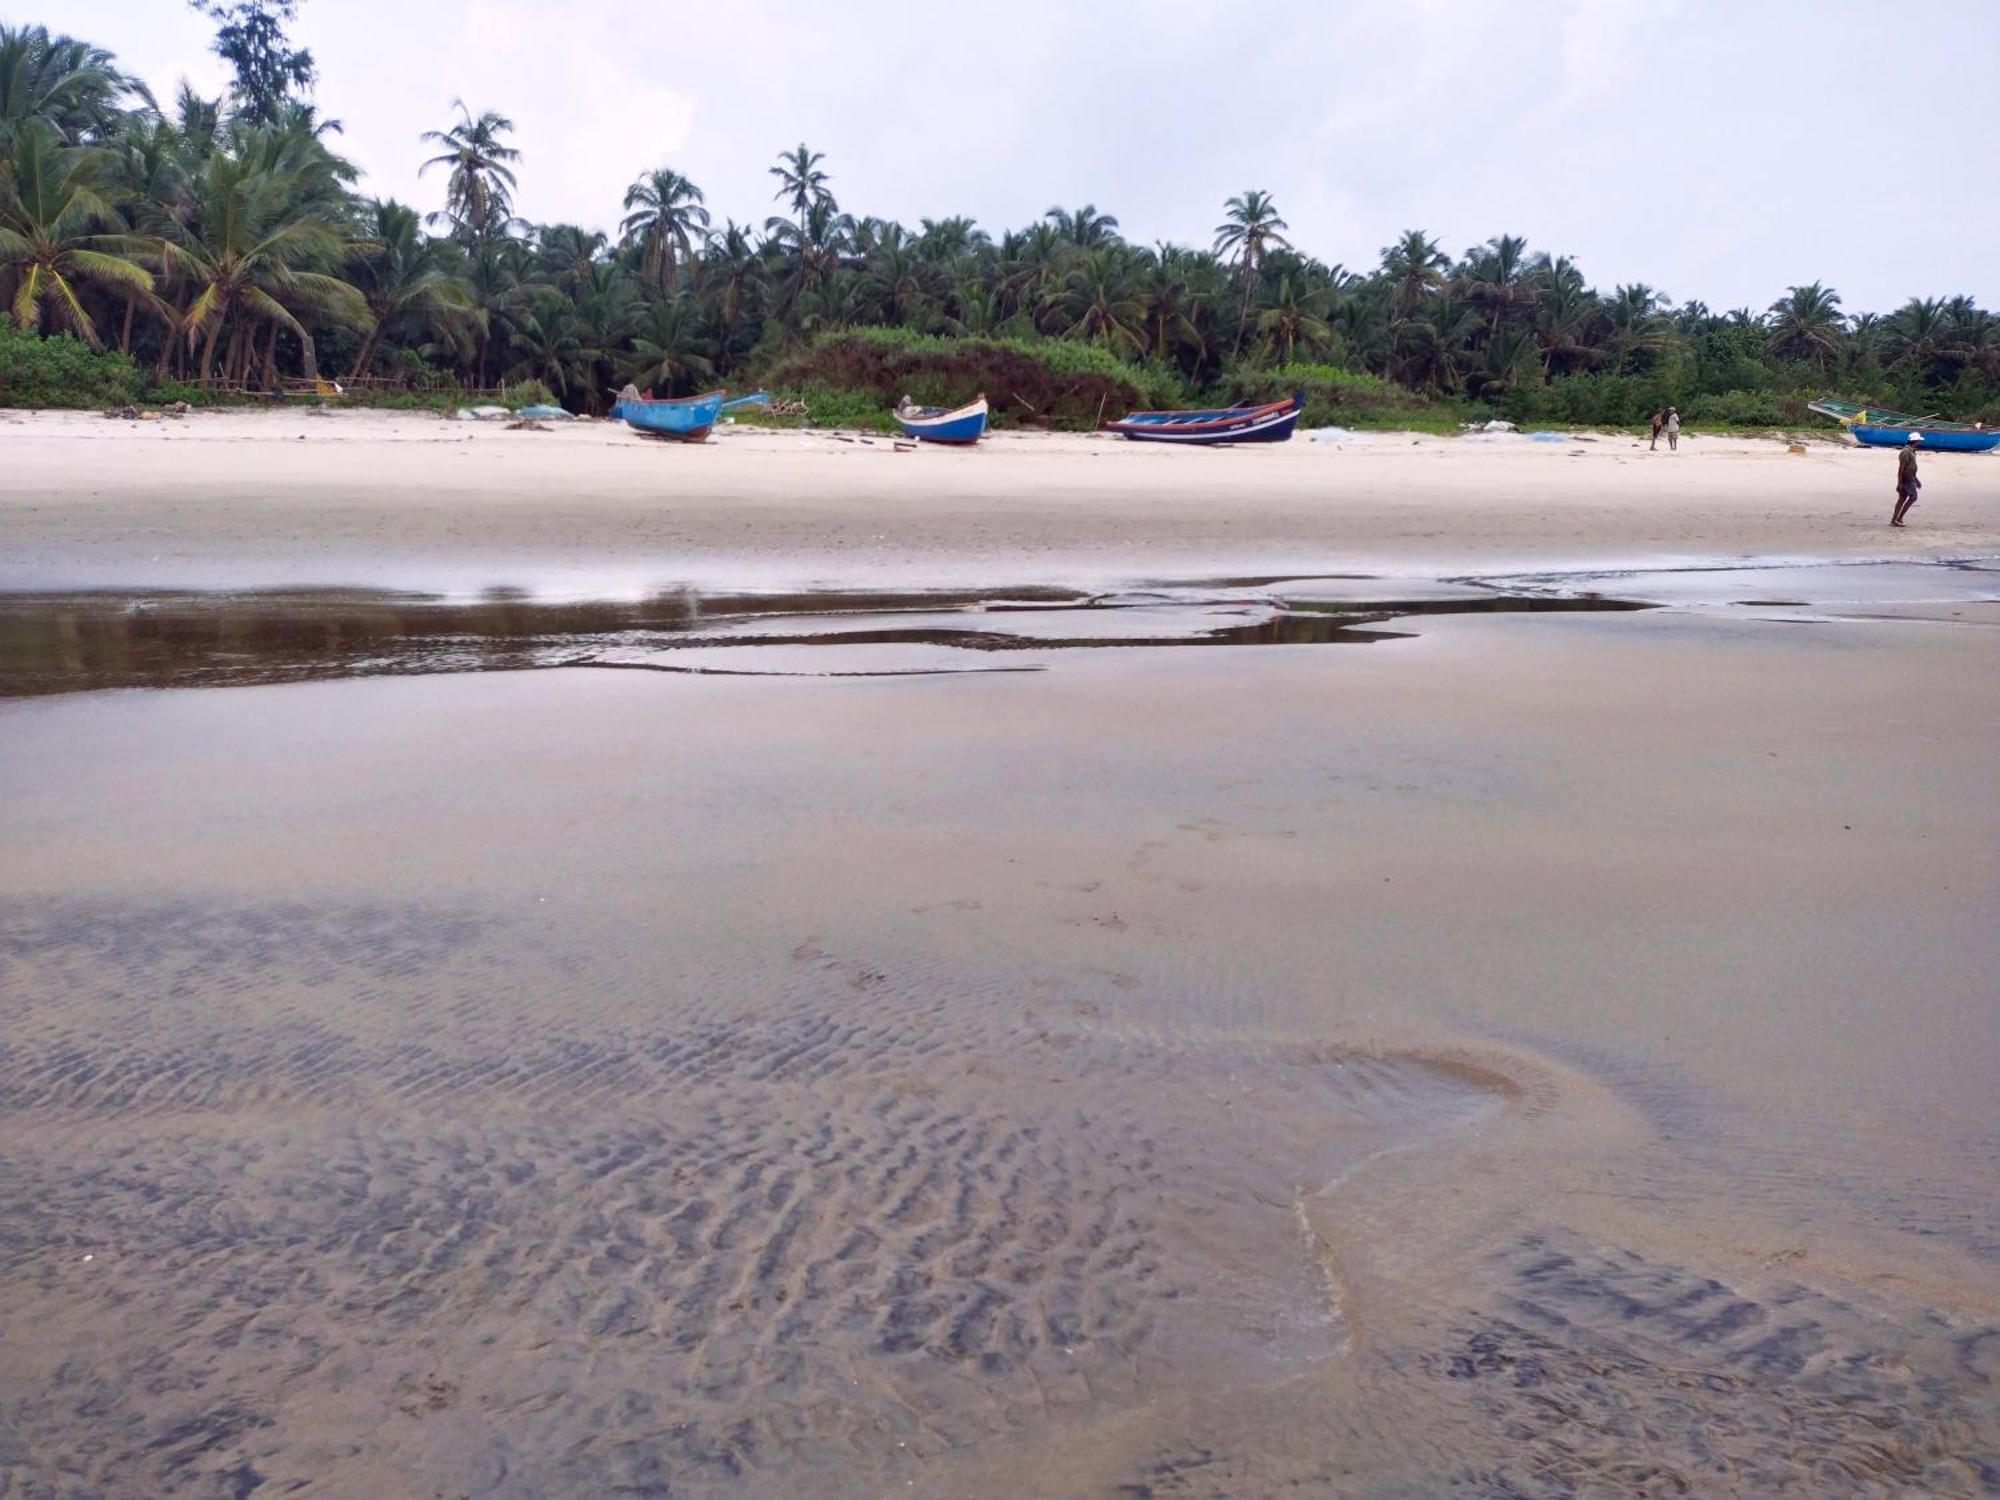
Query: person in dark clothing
1907	483
1659	421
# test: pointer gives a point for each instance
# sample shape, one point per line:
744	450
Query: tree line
223	241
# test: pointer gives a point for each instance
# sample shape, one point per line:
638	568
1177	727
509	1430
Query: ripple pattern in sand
304	1206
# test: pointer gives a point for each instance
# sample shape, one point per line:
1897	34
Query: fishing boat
1875	427
1267	422
687	420
959	425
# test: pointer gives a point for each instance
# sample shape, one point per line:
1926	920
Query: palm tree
255	250
669	348
50	210
1638	327
1099	304
665	215
812	254
1414	267
407	280
1295	321
729	275
1084	228
1250	228
1495	276
1917	336
70	86
1169	304
479	192
801	181
1806	324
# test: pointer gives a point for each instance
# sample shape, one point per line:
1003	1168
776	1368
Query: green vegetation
220	246
62	371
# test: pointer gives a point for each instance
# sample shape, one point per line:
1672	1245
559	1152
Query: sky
1719	150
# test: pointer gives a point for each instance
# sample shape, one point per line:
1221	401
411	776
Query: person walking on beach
1907	483
1673	429
1659	421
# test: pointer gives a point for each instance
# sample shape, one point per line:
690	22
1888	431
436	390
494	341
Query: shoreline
384	499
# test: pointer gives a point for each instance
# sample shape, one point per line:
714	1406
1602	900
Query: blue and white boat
1269	422
944	424
1874	427
687	420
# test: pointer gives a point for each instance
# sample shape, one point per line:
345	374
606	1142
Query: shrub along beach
201	248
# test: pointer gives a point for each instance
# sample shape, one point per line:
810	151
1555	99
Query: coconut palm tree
60	236
1085	227
1414	268
70	86
811	255
1496	278
1099	304
1917	336
479	192
1295	322
1639	329
256	250
669	351
1806	324
801	181
1249	230
1169	304
665	216
727	283
409	282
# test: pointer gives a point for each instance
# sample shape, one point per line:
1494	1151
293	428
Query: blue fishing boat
1267	422
687	420
1875	428
959	425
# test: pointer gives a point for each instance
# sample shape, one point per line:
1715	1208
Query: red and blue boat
959	425
1874	427
688	419
1266	422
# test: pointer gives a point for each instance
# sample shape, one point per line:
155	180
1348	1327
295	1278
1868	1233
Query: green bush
1027	381
62	371
1342	398
528	393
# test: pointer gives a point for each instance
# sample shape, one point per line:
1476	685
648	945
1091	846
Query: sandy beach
350	497
536	963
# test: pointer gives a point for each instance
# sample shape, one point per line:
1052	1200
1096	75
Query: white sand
379	497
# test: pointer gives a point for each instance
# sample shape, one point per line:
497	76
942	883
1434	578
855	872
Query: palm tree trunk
125	332
271	359
1243	318
367	351
208	347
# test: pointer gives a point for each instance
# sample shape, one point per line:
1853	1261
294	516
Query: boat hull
1270	423
956	427
1930	440
689	420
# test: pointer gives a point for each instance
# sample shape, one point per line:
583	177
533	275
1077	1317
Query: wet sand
1518	1051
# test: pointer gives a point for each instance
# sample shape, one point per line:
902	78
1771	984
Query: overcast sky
1717	149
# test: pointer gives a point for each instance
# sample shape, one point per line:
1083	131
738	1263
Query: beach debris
483	414
527	424
1495	425
542	412
123	413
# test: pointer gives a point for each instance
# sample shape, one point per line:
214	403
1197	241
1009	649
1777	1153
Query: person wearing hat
1673	429
1907	483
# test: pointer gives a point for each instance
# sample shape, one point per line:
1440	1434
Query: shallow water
1487	1064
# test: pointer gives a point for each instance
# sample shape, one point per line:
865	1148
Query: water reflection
55	643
